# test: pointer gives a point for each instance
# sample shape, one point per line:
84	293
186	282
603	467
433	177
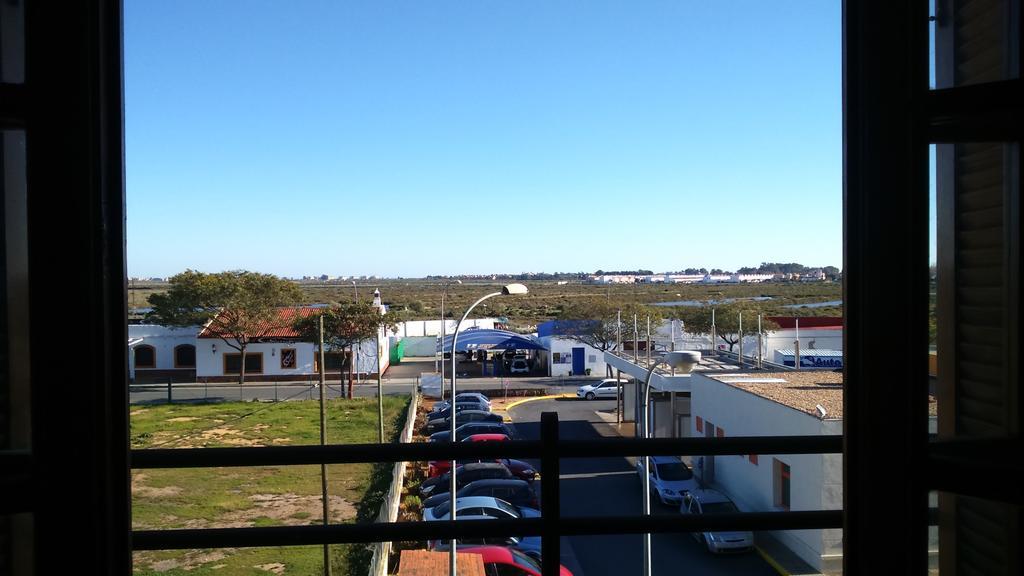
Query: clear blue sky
448	137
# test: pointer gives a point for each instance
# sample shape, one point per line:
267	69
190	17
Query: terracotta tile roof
429	563
279	329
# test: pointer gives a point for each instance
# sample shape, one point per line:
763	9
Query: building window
145	356
753	459
700	425
780	471
334	361
185	356
288	360
720	432
253	363
556	358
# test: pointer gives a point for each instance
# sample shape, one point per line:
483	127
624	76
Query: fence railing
550	526
393	499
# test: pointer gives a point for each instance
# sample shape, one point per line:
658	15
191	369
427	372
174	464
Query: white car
670	478
519	367
714	502
604	389
479	506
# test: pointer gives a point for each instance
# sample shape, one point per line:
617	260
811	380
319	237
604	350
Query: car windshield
719	508
442	510
674	471
506	507
524	560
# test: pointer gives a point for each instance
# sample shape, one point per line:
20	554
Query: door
579	358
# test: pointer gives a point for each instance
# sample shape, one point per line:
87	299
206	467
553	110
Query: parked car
518	468
444	411
464	417
714	502
518	492
519	366
466	473
478	396
608	388
670	478
502	561
479	506
472	428
485	438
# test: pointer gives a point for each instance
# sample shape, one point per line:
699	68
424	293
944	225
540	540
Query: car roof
489	553
708	496
485	437
482	466
666	460
489	482
468	501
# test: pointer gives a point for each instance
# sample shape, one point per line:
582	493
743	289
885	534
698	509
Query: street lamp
683	362
509	290
443	294
356	288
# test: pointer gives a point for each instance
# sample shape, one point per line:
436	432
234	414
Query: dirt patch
283	509
191	560
164	565
259	427
139	411
276	567
140	490
182	419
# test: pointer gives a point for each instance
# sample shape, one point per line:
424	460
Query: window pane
15	423
12	41
185	356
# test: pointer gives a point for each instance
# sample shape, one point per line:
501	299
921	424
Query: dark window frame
135	356
180	365
249	357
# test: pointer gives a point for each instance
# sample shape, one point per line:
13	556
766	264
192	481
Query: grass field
263	496
421	299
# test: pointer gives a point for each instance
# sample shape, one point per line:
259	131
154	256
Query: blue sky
449	137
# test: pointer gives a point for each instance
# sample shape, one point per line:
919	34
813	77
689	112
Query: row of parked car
674	484
485	490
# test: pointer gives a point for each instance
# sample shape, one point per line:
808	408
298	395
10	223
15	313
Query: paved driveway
609	486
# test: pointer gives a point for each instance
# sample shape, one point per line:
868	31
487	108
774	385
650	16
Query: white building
158	353
775	404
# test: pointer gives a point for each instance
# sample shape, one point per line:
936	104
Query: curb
534	398
771	561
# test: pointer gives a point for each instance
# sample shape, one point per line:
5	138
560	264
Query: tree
698	321
239	307
345	325
594	322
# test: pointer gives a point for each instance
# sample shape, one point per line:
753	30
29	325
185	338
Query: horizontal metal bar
955	464
987	112
422	531
423	451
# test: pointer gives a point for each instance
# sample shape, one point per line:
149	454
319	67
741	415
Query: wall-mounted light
273	351
213	348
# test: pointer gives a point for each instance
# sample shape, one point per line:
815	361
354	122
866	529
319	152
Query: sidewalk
781	558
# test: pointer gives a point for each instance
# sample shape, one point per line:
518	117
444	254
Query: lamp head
514	289
683	360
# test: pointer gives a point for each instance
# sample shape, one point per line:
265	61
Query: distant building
161	353
567	356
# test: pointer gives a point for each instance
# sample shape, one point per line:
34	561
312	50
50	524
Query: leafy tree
594	322
698	321
345	325
239	307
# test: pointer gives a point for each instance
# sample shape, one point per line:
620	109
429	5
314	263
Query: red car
518	468
486	438
509	561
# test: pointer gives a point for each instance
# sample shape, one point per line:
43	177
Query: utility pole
323	441
636	341
618	373
714	348
740	356
380	390
760	344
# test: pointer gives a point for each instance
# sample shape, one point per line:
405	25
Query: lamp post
509	290
443	294
683	361
356	288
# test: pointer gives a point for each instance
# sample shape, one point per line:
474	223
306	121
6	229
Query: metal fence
197	392
393	499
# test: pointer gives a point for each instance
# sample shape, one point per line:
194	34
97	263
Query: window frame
135	357
248	355
179	365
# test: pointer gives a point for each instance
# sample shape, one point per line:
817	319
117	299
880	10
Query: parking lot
610	486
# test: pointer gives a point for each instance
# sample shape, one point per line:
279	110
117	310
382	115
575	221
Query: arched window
145	356
185	356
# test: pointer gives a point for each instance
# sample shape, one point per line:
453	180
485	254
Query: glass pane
976	41
975	535
15	543
15	423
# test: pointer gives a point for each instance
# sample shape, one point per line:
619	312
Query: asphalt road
610	486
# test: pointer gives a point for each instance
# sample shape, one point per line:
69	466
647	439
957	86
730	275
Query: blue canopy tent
487	339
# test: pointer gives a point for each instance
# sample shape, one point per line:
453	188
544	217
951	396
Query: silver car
714	502
604	389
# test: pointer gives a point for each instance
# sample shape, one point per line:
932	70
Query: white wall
163	339
210	363
594	358
816	479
